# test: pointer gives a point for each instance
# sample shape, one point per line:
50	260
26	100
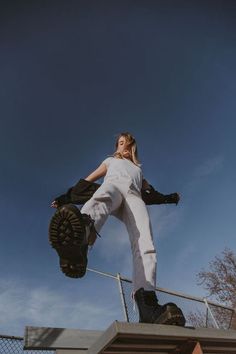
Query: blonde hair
131	145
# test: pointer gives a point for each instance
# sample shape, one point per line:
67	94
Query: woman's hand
54	204
178	198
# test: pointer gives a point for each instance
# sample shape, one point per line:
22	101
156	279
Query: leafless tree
220	279
197	318
220	283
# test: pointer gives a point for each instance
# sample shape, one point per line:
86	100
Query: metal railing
199	312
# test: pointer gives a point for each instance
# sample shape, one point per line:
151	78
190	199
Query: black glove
151	196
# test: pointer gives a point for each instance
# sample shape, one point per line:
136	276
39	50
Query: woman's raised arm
98	173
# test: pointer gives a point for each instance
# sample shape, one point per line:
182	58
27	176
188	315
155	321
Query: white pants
118	199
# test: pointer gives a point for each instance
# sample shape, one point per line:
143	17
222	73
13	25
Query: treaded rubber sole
172	315
67	237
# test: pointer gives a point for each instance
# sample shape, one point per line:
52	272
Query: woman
119	195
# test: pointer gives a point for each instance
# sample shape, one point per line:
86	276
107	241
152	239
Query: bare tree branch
220	283
220	280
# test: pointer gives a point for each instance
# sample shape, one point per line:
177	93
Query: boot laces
90	222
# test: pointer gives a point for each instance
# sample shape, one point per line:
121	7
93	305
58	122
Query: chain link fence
14	345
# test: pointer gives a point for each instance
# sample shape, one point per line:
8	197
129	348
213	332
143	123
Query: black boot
69	232
151	312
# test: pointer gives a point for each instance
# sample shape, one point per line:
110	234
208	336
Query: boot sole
171	316
67	237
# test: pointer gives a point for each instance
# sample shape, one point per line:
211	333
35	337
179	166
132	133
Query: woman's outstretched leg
138	225
136	219
71	231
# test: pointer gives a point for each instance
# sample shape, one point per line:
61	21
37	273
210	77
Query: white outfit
120	195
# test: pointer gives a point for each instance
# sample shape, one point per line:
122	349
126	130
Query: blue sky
73	75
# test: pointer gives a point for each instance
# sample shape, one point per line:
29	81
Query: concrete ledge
122	337
71	351
42	338
127	338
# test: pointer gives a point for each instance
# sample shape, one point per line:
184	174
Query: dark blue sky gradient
76	73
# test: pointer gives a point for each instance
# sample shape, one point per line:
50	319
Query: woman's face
122	148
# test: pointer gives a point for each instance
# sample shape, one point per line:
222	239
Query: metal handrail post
208	307
125	310
231	318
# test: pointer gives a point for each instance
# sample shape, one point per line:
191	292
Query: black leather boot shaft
148	305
